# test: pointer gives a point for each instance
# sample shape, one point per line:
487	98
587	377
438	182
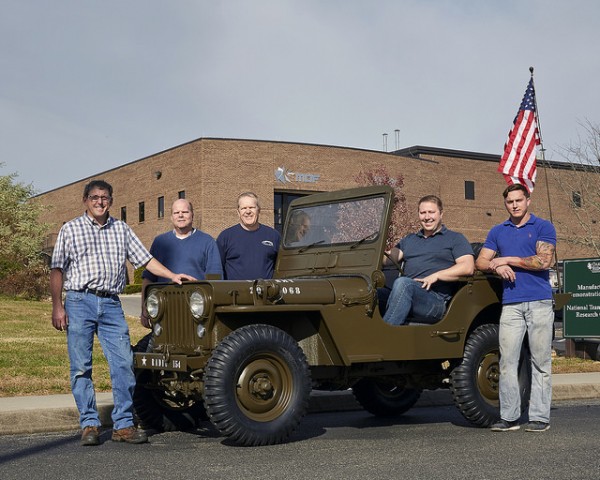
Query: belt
98	293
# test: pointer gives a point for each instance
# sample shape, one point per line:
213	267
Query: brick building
211	172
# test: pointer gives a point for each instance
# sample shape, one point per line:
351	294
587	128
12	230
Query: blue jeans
408	297
535	318
88	315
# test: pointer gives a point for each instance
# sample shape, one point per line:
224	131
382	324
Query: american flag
518	160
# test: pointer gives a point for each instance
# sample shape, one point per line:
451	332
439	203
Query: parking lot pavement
53	413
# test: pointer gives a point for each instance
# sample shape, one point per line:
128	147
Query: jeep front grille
179	327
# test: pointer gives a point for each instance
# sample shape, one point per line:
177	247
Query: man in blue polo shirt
434	258
525	247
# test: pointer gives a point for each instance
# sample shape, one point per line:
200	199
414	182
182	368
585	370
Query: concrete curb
52	413
576	386
55	413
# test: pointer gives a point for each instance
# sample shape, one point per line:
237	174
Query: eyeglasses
95	198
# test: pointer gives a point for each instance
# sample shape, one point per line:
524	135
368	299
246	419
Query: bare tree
578	177
403	219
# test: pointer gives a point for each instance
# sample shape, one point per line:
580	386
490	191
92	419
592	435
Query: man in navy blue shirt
525	247
248	249
434	258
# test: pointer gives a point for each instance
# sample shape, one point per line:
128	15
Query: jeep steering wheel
396	264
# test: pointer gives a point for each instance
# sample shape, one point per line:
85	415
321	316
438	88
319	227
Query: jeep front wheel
474	383
257	385
384	398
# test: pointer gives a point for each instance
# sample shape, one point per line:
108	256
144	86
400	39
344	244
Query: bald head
182	216
182	203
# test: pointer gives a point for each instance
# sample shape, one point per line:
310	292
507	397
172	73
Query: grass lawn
574	365
33	354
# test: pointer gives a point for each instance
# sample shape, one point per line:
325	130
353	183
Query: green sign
582	314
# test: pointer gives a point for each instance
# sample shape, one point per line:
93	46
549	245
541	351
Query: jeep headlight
153	305
198	304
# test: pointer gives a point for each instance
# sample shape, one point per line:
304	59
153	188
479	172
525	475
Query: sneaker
90	436
537	427
504	426
129	435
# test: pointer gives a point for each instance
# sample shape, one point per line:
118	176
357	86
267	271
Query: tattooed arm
542	260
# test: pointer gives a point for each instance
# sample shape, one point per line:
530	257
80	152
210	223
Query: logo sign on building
284	175
582	313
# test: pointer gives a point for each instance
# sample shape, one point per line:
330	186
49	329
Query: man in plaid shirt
89	262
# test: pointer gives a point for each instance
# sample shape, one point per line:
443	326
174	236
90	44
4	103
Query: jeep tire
474	383
257	385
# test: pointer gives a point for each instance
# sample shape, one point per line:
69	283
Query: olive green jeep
246	354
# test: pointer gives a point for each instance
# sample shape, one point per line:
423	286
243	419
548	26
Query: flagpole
546	166
542	149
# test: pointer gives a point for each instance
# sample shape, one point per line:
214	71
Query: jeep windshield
350	222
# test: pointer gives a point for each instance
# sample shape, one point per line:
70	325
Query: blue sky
90	85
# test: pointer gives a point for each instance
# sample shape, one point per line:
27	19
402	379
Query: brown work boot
129	435
90	436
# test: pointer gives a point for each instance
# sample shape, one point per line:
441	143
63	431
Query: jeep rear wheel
257	385
475	382
158	408
384	398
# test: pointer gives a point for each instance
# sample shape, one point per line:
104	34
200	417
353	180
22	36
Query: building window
469	190
181	194
282	204
161	207
142	215
124	214
577	199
